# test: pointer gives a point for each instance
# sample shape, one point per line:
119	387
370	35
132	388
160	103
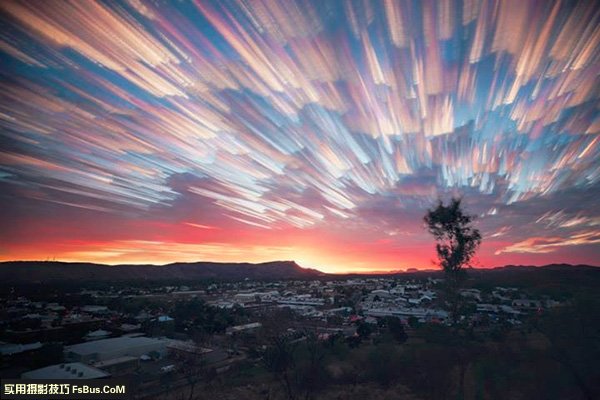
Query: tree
573	332
312	376
396	329
457	242
195	370
280	360
364	330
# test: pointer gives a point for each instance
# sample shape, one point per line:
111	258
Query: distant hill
20	272
551	277
53	272
555	267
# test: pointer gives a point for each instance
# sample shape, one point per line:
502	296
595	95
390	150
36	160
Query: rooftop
112	344
12	348
114	361
66	371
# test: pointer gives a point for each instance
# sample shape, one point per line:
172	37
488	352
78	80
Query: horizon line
374	272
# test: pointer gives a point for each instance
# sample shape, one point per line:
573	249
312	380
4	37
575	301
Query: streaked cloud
314	116
550	244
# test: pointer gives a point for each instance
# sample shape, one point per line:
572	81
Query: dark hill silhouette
61	272
49	272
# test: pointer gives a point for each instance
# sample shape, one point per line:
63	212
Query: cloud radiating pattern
292	114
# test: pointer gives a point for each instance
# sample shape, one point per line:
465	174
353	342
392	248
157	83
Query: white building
66	371
8	349
97	335
471	293
527	304
422	314
107	349
252	327
383	294
302	301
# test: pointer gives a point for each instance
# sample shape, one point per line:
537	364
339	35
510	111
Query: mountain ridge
17	272
58	271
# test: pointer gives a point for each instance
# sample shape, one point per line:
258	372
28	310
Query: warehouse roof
66	371
113	344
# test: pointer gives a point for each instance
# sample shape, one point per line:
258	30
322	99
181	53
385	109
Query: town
166	337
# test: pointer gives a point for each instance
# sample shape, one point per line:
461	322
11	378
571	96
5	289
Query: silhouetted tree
456	239
311	375
396	329
364	330
457	242
280	360
194	368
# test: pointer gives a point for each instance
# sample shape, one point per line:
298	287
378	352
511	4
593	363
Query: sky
316	131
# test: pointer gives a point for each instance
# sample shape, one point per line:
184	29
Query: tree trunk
288	386
463	371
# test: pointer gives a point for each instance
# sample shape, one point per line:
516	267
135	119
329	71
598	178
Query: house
55	307
420	300
429	293
487	308
552	303
471	293
338	311
496	309
382	294
302	310
527	304
509	310
499	296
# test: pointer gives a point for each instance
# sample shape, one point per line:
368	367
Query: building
247	328
9	349
302	301
181	349
422	314
97	335
382	294
471	293
338	311
96	310
66	371
106	349
243	298
119	366
527	304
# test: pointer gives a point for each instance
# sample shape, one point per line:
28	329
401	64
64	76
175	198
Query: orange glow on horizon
160	253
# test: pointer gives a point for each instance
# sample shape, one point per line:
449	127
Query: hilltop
53	272
43	272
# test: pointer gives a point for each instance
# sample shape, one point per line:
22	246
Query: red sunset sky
235	131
